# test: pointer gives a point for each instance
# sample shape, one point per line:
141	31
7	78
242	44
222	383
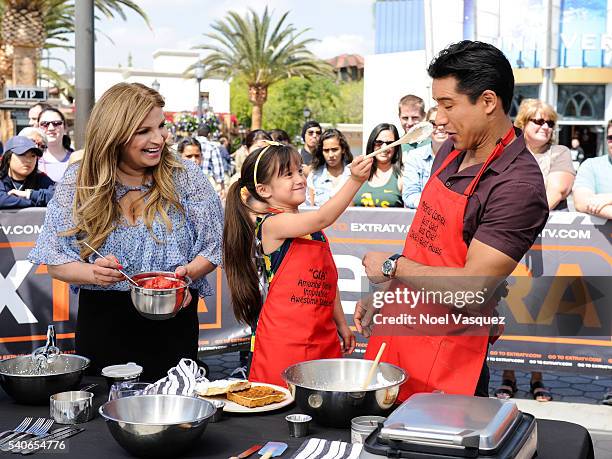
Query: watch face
387	267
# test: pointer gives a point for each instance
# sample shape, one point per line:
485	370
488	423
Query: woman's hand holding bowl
181	272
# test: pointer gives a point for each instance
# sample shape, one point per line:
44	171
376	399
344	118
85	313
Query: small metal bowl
158	304
73	407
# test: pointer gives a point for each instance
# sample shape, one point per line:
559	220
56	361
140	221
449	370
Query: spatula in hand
415	134
272	449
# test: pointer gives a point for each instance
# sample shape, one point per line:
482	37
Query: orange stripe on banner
574	248
19	339
8	245
219	293
540	339
61	301
202	305
42	269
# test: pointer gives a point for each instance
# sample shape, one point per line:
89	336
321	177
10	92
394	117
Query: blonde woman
537	119
146	210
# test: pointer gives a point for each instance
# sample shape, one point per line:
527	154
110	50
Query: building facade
561	52
169	72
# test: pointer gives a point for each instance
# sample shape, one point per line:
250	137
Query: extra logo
10	299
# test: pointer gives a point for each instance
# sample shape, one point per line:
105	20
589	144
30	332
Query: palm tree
29	25
262	53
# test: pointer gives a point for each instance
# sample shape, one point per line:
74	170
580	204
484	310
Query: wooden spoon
368	379
415	134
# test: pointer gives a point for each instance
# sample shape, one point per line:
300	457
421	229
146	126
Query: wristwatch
390	265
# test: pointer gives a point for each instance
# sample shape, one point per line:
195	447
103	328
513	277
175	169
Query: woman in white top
55	158
329	167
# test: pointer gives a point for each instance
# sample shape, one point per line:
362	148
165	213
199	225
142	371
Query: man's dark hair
42	105
203	130
477	66
255	135
308	125
279	135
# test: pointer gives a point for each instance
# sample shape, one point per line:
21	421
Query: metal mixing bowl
158	304
157	425
18	379
330	389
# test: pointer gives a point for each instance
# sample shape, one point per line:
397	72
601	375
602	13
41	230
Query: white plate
233	407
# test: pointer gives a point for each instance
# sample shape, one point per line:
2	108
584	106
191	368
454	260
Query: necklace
15	185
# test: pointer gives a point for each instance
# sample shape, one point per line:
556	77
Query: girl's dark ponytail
238	257
239	228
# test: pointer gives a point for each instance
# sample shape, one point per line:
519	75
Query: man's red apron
451	364
297	319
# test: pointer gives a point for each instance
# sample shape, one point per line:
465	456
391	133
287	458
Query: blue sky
340	25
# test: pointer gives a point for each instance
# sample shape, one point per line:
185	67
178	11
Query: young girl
329	167
301	316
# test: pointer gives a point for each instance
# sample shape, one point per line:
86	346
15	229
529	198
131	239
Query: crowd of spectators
398	175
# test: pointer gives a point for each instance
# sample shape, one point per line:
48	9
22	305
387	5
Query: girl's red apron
296	322
451	364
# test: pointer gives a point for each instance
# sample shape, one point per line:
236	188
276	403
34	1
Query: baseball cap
20	145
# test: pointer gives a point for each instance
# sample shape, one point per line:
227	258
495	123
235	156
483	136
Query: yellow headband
268	143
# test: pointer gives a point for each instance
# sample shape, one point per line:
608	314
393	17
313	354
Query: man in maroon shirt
491	182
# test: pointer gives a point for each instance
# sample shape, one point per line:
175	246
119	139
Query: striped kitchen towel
317	448
181	379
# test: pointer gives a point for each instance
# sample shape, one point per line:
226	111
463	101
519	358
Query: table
236	433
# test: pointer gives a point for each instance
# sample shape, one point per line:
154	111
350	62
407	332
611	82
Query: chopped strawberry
160	283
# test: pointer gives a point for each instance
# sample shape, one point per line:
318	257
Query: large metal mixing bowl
24	385
157	425
330	389
158	304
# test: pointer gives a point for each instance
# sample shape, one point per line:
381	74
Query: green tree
260	53
239	101
28	26
351	102
328	102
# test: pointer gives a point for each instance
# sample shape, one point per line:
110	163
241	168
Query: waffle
220	387
256	396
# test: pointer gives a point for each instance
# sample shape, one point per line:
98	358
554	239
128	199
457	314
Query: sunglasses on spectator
46	124
380	143
313	132
542	122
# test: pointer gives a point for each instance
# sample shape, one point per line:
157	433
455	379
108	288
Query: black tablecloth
236	433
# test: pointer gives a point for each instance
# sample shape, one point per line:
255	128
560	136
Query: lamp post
155	85
199	75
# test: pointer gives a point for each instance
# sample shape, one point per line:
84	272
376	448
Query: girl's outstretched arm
292	225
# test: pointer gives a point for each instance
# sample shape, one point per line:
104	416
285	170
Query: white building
169	67
560	51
